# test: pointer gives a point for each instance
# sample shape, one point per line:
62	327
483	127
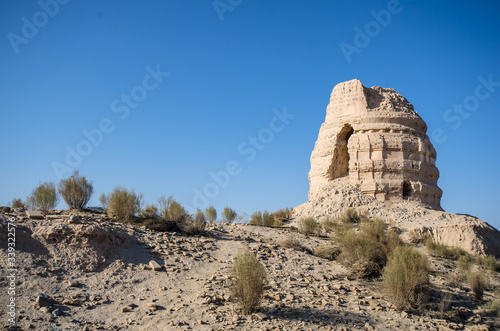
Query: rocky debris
303	292
35	214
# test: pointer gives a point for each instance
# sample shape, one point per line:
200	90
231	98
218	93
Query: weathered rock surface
374	139
373	154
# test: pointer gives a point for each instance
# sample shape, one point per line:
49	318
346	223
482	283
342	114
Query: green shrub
328	224
350	216
44	197
104	200
441	250
477	284
191	226
211	214
171	209
76	191
328	252
406	278
263	219
229	215
150	211
415	237
158	224
291	242
282	215
123	204
308	226
464	262
489	262
200	221
365	252
249	280
18	203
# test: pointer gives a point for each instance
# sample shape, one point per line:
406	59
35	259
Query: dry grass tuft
406	278
76	191
308	226
441	250
477	284
44	197
365	251
328	252
249	280
123	204
291	242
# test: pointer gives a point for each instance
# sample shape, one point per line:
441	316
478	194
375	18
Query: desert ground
90	272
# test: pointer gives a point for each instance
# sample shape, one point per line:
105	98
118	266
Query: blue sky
170	93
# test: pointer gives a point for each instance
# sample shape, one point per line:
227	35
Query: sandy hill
90	272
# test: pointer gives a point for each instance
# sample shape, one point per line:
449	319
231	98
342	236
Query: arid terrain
91	272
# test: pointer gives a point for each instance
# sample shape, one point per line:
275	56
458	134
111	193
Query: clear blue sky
176	88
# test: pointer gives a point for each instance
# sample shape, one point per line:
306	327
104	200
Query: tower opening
340	161
406	190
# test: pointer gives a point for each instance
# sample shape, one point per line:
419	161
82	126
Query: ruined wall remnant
373	139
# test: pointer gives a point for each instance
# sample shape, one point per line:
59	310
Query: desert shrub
158	224
248	282
328	252
365	252
229	215
123	204
489	262
192	226
351	215
291	242
200	221
444	304
406	278
44	197
282	215
308	226
441	250
150	211
104	200
328	224
171	209
18	203
211	214
464	262
477	284
76	191
262	219
415	237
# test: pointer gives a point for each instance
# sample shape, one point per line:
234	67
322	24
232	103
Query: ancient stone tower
373	139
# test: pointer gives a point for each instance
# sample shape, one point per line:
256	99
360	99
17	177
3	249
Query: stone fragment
154	265
34	214
44	300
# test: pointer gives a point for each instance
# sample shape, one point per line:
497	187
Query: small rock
43	300
45	310
152	305
72	283
260	316
154	265
73	219
126	309
57	312
34	214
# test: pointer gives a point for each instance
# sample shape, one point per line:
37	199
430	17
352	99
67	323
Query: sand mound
465	231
